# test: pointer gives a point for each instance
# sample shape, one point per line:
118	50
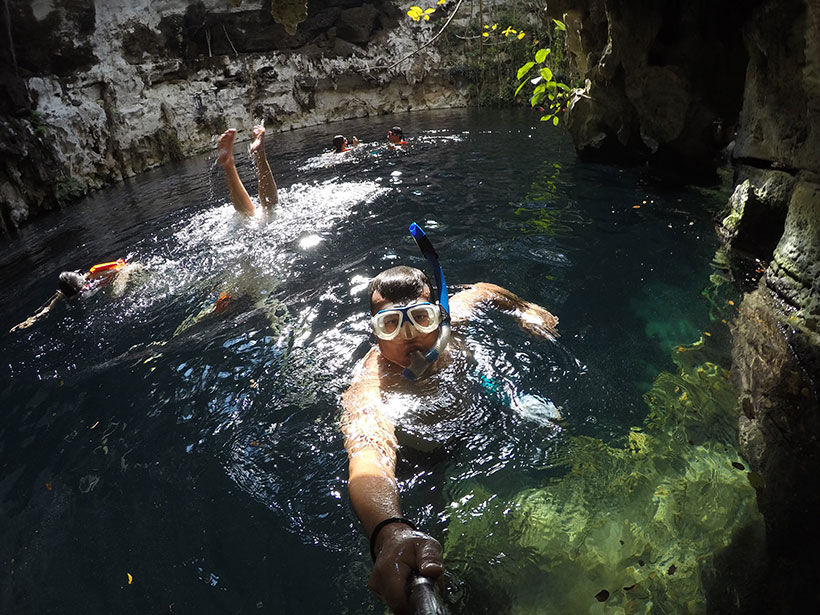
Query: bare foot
258	138
224	147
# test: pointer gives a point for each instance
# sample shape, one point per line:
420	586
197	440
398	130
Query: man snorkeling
340	143
72	284
268	193
411	319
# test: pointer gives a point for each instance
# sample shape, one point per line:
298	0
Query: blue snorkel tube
420	361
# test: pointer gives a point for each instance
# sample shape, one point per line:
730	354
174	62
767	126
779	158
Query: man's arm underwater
399	549
531	317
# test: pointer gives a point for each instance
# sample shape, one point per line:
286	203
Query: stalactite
289	13
11	40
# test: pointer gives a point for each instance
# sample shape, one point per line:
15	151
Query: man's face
399	348
392	137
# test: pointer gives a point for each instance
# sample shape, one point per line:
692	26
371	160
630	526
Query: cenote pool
199	452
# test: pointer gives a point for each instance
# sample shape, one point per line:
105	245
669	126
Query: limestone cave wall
681	87
96	91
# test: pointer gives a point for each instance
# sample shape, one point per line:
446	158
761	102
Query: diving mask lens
424	317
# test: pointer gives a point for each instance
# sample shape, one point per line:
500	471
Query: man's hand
401	552
537	321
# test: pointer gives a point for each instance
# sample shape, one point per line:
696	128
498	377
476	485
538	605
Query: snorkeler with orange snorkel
72	284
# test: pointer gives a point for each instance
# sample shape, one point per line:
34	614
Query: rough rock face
671	83
777	332
113	88
663	81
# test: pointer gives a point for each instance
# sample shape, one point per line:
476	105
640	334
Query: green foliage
647	517
491	53
68	190
38	124
548	94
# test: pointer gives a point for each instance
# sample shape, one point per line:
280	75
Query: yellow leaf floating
130	578
521	35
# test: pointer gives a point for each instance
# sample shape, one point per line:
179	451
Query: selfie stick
423	598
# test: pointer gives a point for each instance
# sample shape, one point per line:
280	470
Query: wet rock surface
112	90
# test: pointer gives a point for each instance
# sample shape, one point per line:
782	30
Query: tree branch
427	44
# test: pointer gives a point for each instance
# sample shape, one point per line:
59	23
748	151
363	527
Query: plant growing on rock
549	94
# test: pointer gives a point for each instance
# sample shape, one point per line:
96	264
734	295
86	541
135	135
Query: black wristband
379	528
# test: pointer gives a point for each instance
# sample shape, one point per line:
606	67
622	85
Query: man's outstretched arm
400	551
531	317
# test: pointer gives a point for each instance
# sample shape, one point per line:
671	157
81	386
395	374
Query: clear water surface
199	452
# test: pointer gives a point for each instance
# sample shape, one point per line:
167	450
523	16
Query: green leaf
555	121
525	69
546	74
546	118
560	25
539	89
521	85
562	86
541	55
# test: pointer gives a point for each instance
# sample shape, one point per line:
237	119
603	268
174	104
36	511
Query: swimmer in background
71	284
411	319
340	144
268	193
395	139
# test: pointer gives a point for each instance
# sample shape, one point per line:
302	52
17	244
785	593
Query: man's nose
408	331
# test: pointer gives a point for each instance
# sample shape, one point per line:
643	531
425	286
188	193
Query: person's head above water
339	143
399	285
71	283
395	135
404	319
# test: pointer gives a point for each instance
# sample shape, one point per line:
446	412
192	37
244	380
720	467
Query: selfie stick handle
423	598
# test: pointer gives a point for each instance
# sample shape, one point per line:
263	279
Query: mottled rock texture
672	84
777	331
663	81
97	91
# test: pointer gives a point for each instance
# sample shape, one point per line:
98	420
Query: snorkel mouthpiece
421	361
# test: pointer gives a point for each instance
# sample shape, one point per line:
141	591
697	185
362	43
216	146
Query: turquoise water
199	453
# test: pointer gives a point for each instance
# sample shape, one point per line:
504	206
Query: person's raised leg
268	193
239	196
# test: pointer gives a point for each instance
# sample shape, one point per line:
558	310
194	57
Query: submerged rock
663	522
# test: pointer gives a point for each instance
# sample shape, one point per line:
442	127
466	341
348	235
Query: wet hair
396	131
399	284
71	283
338	142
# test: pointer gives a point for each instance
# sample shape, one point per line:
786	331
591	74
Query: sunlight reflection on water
206	398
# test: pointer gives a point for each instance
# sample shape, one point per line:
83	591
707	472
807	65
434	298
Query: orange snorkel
109	266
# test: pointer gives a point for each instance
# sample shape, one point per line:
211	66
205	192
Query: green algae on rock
650	520
289	13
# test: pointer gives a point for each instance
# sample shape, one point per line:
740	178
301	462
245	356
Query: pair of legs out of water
268	193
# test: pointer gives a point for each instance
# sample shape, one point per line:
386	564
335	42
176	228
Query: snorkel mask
421	361
71	283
